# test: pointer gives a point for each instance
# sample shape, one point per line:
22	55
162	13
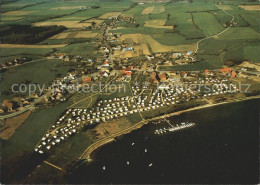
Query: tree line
26	34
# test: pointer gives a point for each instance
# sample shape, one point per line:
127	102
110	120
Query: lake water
223	147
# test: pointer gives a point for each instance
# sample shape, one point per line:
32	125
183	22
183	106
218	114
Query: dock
174	128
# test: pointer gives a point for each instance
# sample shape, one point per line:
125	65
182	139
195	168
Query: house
87	79
105	74
233	74
106	63
126	72
189	53
154	77
162	77
176	55
226	70
8	104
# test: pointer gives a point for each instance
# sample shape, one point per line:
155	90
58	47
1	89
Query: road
197	48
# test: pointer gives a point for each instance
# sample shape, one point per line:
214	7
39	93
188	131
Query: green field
203	20
24	51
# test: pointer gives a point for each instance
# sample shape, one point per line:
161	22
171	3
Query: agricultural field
82	49
74	35
185	25
203	20
158	23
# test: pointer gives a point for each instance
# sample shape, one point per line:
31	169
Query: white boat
145	150
150	164
133	144
104	167
127	163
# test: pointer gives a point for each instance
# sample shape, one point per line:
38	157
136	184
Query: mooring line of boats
174	128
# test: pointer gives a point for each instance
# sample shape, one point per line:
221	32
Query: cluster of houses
16	61
16	103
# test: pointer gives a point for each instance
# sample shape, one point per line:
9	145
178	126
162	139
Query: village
123	62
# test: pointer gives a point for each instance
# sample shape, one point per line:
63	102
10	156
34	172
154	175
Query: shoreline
89	150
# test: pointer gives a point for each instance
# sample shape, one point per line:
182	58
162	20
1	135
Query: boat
133	144
104	167
127	163
145	150
150	164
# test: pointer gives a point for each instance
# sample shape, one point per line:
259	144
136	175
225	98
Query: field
110	14
10	18
20	49
10	125
250	7
184	23
68	24
155	45
158	23
74	34
12	51
203	20
239	33
31	46
83	49
17	13
148	10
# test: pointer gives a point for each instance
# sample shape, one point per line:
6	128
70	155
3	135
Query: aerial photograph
129	91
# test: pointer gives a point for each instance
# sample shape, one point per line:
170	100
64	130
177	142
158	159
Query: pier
174	128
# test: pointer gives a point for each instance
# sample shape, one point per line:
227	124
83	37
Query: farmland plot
207	23
184	24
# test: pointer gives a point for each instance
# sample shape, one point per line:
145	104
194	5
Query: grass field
239	33
83	49
185	25
252	53
203	20
19	49
24	51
